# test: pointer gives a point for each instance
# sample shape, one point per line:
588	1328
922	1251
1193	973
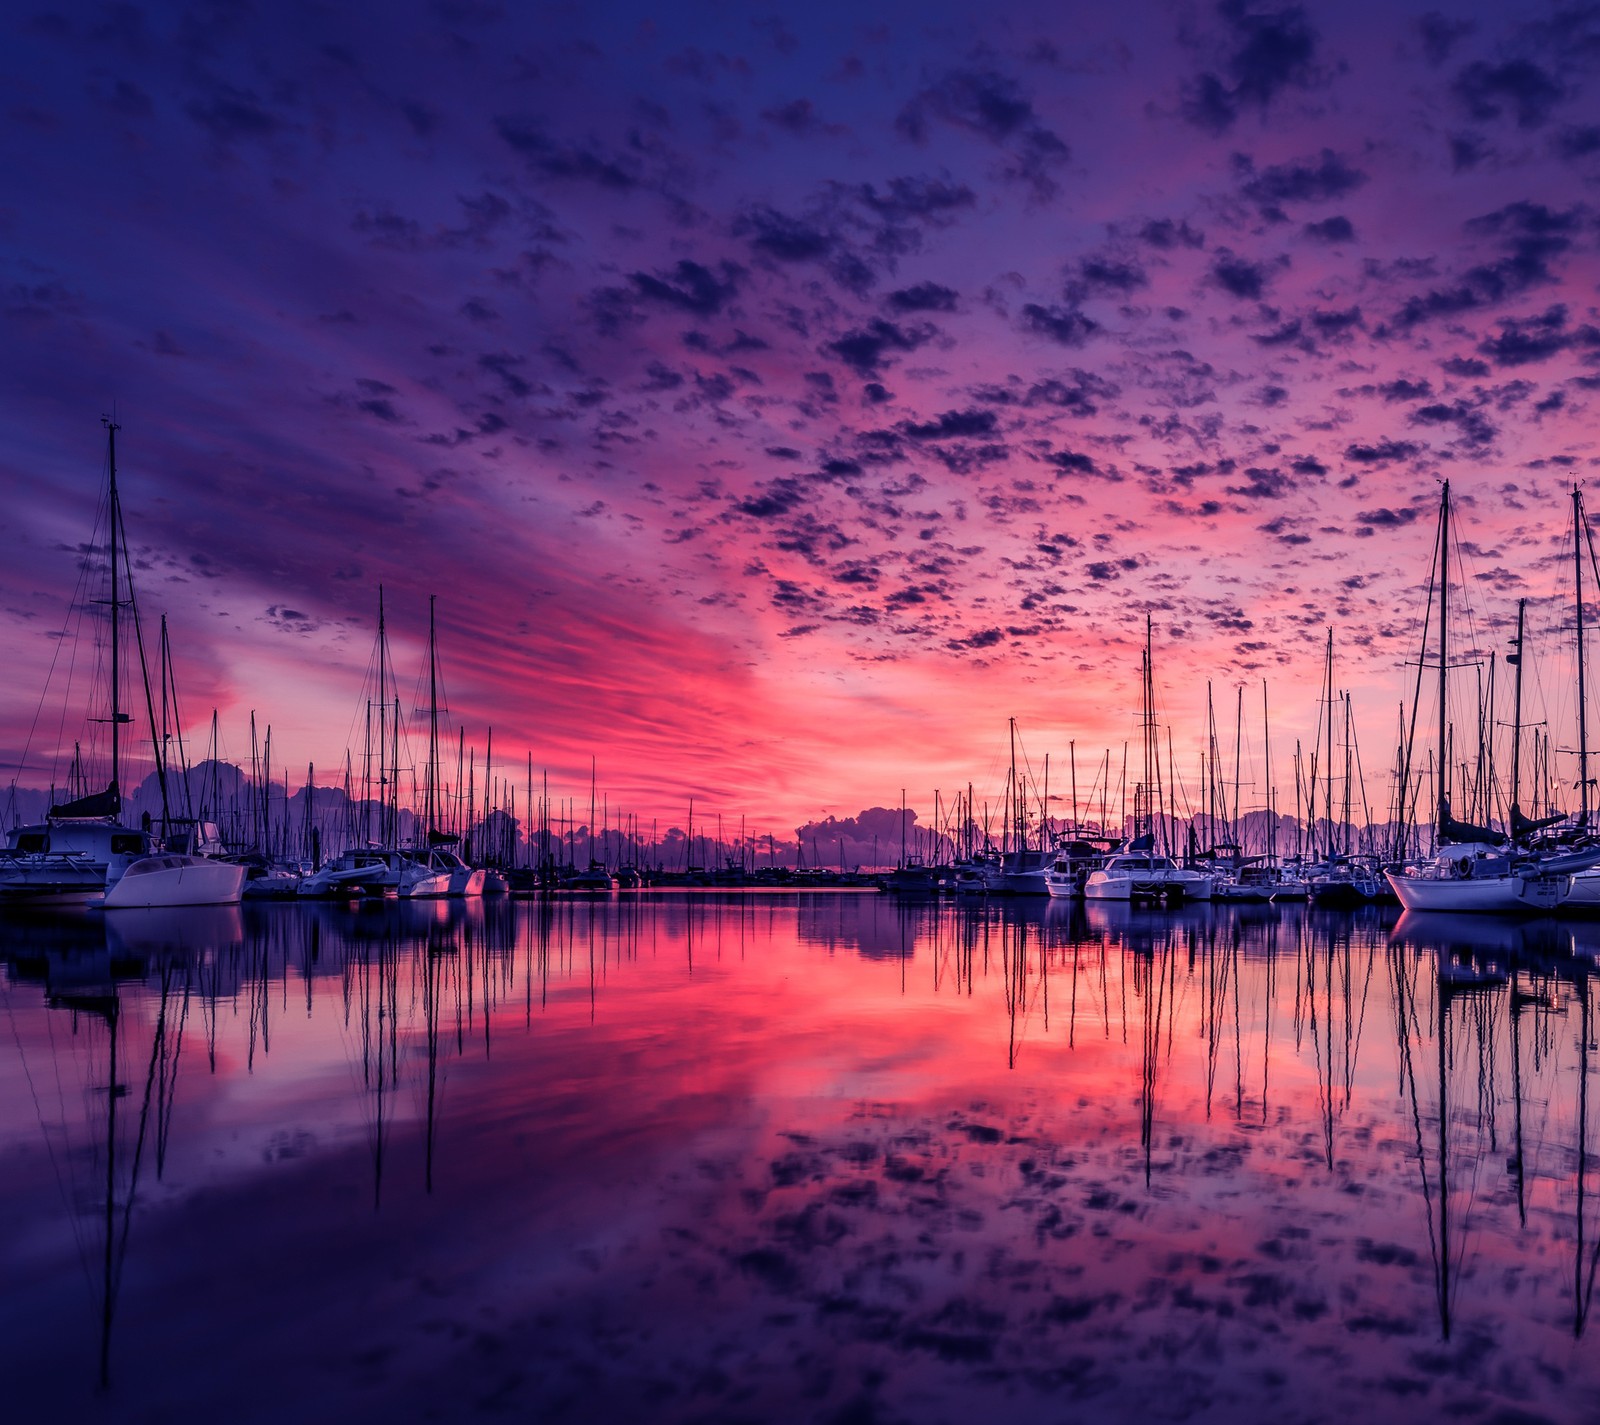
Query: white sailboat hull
173	880
1488	895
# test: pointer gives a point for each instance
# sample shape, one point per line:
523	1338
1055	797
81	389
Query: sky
777	401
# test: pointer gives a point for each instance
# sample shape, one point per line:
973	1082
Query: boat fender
1465	867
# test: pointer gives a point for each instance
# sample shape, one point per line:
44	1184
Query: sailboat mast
114	514
1444	639
1147	691
1516	724
1238	756
432	808
383	740
1328	765
1583	722
1015	799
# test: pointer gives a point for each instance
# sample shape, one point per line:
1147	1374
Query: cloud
1239	277
934	202
1525	340
1518	88
1267	51
1531	235
689	287
1066	326
1383	452
580	163
963	425
923	297
1336	229
1329	177
866	348
991	105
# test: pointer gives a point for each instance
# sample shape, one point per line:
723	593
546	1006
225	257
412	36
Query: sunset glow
778	400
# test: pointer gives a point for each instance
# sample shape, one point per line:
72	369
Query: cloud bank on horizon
779	401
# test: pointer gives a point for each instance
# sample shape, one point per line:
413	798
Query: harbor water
820	1156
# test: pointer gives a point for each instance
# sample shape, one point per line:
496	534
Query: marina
859	714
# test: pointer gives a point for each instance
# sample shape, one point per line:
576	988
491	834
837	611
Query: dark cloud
1321	181
1531	235
1263	484
1475	428
924	297
1440	34
1239	277
1334	323
1066	326
932	201
1467	151
1386	518
584	163
1104	276
1072	462
1522	341
1403	389
1578	141
1519	88
1267	51
1166	234
1284	530
774	499
1336	229
789	239
1382	453
951	425
986	638
990	104
866	348
689	287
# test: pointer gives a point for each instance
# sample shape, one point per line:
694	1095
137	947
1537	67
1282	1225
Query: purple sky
778	400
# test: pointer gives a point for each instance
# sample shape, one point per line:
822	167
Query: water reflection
982	1150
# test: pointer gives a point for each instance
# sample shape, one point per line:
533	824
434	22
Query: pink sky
779	403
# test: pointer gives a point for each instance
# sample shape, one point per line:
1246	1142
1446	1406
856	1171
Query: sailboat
82	853
1474	868
1136	871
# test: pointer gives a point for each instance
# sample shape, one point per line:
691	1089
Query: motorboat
172	878
460	879
68	858
1142	875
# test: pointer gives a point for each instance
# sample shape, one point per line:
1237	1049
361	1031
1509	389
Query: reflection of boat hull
174	880
174	930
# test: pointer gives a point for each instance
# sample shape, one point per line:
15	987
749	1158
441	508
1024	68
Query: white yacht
1061	880
68	858
170	878
460	878
1142	875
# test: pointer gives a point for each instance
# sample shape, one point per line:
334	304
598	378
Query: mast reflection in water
795	1157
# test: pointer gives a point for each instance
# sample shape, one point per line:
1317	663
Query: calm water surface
819	1157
